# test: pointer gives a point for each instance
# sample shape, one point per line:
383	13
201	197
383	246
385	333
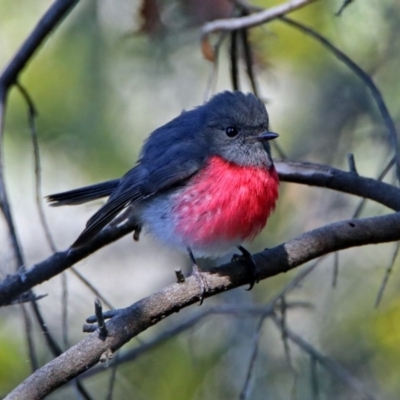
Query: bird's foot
248	259
196	272
201	282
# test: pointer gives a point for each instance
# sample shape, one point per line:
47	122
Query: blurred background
110	74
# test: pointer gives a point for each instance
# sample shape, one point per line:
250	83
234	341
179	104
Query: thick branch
148	311
310	174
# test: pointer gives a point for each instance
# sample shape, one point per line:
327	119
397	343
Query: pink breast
226	202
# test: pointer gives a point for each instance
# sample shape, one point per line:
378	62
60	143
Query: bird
204	182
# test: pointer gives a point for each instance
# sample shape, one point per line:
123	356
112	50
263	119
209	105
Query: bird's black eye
231	131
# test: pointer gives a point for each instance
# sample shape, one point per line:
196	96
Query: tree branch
332	366
305	173
54	15
365	78
233	24
332	178
135	319
8	77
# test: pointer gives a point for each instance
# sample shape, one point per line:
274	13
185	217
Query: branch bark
233	24
135	319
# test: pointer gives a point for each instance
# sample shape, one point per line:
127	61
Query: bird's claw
201	282
248	259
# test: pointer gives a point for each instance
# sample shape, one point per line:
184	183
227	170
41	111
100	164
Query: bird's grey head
237	129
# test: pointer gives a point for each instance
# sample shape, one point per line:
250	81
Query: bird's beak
266	136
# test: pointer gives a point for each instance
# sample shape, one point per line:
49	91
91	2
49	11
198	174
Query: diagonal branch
366	79
332	366
135	319
54	15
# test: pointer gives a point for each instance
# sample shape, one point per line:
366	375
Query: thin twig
53	346
32	114
53	16
29	338
100	319
380	177
365	78
245	393
187	323
314	377
283	309
352	163
325	361
387	275
113	378
294	283
233	24
248	58
9	77
250	68
234	64
92	288
342	7
64	309
245	5
4	202
12	233
335	269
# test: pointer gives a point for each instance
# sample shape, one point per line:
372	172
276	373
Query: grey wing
136	185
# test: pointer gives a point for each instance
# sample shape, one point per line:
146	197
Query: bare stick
248	58
245	393
326	362
7	78
54	15
314	377
100	319
233	24
92	288
234	60
345	4
380	177
366	79
32	114
387	275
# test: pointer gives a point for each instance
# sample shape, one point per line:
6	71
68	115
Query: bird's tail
83	195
